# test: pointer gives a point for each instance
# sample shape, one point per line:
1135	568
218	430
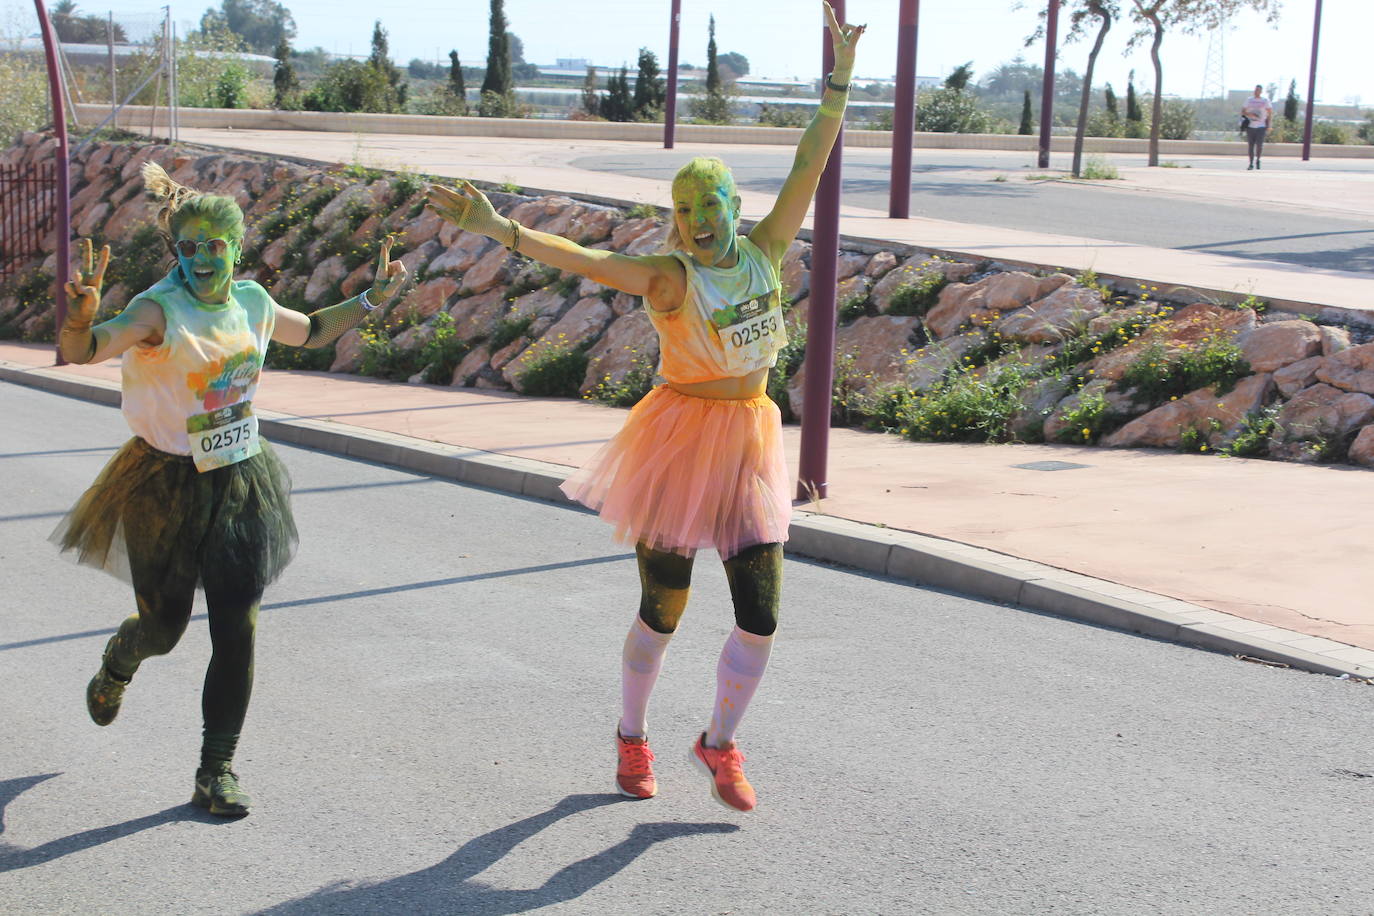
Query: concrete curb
915	558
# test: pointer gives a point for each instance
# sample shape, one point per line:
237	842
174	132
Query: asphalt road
436	695
946	185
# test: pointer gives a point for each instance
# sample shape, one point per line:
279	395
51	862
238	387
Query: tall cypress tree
380	61
1133	112
498	53
712	69
1112	111
650	93
1290	104
1027	124
456	87
284	82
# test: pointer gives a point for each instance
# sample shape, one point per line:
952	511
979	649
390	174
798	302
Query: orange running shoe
725	766
634	774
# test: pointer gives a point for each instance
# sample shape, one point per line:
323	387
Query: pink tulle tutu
686	473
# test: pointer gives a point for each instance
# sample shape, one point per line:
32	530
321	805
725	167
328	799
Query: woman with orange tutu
699	462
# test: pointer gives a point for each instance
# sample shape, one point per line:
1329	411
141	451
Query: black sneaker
219	790
104	694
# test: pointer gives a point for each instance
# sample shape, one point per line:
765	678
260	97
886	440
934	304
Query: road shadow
450	886
13	857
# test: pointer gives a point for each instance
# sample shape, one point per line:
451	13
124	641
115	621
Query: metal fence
28	197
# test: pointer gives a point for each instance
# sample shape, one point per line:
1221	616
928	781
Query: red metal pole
904	111
62	225
820	316
670	106
1312	85
1047	91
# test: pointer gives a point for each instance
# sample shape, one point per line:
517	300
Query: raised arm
661	279
776	231
323	326
79	342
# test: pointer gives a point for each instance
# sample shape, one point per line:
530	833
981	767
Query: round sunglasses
188	248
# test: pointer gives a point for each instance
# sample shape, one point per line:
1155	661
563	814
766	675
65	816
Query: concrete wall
137	118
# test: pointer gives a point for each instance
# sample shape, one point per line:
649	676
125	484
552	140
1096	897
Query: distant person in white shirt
1259	114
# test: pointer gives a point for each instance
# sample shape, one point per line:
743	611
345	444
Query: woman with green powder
197	498
699	461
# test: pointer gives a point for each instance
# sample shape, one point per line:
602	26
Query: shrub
1157	374
1253	439
26	96
553	369
951	111
1084	422
508	330
919	296
789	360
784	115
1330	132
1176	120
444	350
627	392
1097	168
966	408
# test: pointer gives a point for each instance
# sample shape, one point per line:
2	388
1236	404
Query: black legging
164	600
754	574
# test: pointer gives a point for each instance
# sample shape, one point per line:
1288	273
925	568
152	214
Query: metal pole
820	315
1312	85
1047	91
904	111
109	38
62	204
670	104
175	106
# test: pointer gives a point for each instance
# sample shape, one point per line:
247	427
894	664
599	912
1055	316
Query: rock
509	352
1062	314
471	364
322	280
1163	426
649	243
493	269
986	300
91	220
1322	411
1056	427
461	255
1350	370
796	271
880	264
593	225
848	264
1295	377
547	302
630	230
431	296
130	216
624	304
476	316
1137	315
1362	449
854	288
1334	340
1183	329
929	365
421	229
911	271
1277	344
348	352
875	348
630	342
360	279
1037	404
274	255
583	322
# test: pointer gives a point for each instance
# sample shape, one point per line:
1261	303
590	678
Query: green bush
628	392
1330	132
508	330
25	105
967	407
444	350
1083	423
1157	374
553	369
1176	120
784	115
951	111
919	296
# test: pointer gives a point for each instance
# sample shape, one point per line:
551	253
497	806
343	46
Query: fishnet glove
468	209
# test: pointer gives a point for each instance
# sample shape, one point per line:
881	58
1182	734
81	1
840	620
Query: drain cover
1050	466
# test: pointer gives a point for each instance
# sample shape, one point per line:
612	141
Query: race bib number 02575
223	437
751	332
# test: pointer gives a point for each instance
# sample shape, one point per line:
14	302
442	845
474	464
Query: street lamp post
1312	84
670	106
904	111
820	316
62	202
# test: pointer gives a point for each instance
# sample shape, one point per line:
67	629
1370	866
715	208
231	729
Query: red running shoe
725	766
634	773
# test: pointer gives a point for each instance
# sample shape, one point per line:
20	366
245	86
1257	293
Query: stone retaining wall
927	347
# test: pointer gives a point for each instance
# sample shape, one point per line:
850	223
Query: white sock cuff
747	653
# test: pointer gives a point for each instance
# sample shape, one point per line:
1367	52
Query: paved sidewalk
1260	558
549	164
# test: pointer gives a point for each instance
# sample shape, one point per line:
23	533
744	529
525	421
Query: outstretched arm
776	231
660	279
324	326
78	340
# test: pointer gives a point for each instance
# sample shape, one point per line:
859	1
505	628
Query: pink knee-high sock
640	664
741	666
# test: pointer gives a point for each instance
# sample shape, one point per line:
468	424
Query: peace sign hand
391	275
83	290
843	38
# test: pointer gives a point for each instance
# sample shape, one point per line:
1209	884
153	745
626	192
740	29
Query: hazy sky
783	37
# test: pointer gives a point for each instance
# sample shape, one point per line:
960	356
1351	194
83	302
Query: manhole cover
1050	466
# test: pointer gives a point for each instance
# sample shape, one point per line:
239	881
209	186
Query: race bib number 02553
223	437
751	332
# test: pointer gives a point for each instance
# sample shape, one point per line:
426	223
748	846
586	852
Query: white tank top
730	322
210	358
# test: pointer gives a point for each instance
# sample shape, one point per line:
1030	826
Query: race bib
223	437
751	333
